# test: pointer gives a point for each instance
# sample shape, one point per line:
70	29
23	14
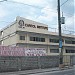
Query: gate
69	60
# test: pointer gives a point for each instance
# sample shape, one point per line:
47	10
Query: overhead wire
68	14
38	6
64	3
33	5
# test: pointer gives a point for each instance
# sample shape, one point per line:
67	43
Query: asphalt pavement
50	71
62	72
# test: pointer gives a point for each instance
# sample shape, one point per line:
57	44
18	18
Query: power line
69	14
35	6
25	4
31	5
64	3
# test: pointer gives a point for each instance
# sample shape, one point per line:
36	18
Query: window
69	42
22	37
54	40
54	50
42	39
73	42
70	51
1	42
32	38
38	39
1	32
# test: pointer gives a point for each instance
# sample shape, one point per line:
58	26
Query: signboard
60	43
22	24
20	51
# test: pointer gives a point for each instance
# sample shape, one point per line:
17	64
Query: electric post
60	38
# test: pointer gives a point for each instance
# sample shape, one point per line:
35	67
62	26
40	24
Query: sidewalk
25	72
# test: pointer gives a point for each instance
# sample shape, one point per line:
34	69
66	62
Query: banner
21	51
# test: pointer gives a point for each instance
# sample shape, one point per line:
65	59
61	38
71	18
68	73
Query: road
62	72
42	72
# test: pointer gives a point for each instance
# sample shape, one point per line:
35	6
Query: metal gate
69	60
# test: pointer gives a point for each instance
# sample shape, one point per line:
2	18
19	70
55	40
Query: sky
43	11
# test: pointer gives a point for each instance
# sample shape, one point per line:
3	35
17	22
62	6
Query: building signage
19	51
23	25
42	27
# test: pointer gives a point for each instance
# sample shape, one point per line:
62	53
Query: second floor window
69	42
22	37
54	40
38	39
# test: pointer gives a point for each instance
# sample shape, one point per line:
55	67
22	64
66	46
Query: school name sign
20	51
23	25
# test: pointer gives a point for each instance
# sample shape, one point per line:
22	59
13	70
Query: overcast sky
44	11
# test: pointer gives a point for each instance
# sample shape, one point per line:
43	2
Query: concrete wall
23	63
31	62
9	29
10	40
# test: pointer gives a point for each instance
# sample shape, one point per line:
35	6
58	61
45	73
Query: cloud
70	21
68	7
3	12
48	14
69	24
33	2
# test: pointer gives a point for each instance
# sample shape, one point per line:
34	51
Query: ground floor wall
50	49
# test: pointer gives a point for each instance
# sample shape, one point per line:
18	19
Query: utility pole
60	38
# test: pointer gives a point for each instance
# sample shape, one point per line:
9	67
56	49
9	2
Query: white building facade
31	34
